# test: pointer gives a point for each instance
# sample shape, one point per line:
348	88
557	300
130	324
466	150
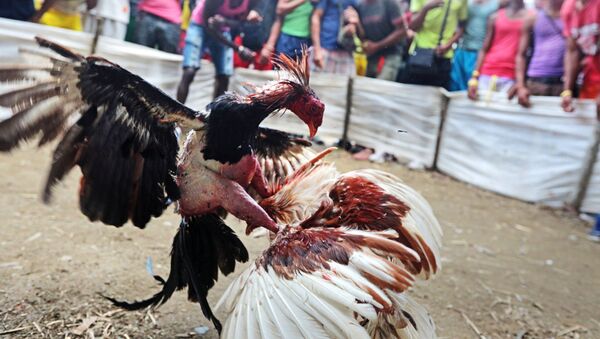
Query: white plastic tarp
396	118
591	201
329	88
17	34
159	68
534	154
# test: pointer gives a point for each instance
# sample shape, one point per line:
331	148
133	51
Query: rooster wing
370	200
117	127
326	283
280	155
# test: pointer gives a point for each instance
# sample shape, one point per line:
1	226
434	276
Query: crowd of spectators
480	46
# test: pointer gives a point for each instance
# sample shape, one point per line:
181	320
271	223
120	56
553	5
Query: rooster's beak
312	129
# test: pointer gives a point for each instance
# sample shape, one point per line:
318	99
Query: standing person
438	25
210	28
582	28
469	45
327	20
254	35
114	15
291	29
133	11
545	70
62	13
382	29
158	24
496	61
22	10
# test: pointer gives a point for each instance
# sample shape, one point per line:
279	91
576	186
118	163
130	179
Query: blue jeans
291	45
196	41
596	230
462	68
156	32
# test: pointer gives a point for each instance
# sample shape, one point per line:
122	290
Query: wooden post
344	142
590	160
443	114
99	27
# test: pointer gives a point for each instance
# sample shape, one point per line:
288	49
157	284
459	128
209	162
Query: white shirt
117	10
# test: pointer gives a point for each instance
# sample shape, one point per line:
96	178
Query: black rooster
120	131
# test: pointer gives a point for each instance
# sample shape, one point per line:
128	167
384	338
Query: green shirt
429	34
297	23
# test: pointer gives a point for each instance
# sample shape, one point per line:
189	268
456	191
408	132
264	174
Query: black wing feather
124	141
202	246
280	154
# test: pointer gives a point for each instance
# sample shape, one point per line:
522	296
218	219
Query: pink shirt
169	10
225	10
500	59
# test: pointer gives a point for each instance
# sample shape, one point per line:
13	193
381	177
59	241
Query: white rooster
354	243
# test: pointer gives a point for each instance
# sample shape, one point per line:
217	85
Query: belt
547	80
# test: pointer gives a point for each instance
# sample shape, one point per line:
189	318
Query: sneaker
594	234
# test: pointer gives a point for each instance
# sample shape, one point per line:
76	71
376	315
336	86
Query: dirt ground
510	269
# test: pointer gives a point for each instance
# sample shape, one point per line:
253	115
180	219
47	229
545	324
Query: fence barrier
540	155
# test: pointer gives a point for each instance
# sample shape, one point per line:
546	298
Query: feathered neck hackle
276	94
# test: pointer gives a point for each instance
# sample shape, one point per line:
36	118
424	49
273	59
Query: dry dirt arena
510	269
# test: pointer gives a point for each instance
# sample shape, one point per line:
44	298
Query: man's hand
567	101
246	53
370	47
265	54
351	16
431	4
472	89
318	57
36	17
216	22
443	49
523	96
254	17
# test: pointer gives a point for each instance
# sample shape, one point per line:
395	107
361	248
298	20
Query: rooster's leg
235	200
259	183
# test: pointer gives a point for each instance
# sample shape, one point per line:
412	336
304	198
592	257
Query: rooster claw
272	228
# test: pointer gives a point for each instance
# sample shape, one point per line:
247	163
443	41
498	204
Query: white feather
352	274
326	289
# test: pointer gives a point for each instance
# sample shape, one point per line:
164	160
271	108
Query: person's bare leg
221	85
184	85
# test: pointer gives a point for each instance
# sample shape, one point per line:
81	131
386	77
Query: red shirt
500	59
169	10
582	23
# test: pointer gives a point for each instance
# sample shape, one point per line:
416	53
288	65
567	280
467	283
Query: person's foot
594	235
362	155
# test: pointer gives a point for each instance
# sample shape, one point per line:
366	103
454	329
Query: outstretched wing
326	283
117	127
280	154
368	200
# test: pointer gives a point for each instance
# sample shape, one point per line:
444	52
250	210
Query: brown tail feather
61	50
10	73
28	123
25	98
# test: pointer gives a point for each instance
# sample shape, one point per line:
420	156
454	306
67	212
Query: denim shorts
291	45
197	41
